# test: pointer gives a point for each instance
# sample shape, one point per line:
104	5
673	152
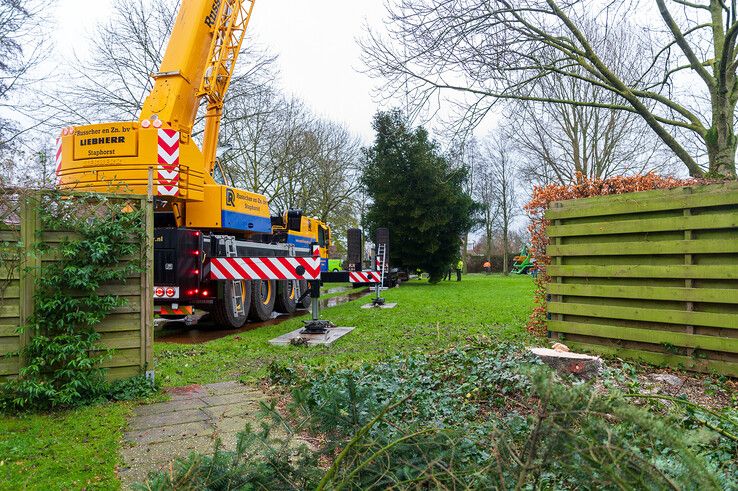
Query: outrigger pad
383	306
298	337
317	327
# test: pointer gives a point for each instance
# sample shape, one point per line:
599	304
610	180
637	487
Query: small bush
481	417
260	461
131	389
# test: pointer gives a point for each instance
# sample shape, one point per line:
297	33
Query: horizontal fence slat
7	330
661	359
124	358
10	309
9	292
8	274
121	339
727	272
8	366
118	322
635	203
705	295
9	236
123	372
59	236
645	248
670	224
654	336
706	319
9	345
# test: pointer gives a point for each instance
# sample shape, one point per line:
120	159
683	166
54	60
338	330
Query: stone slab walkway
190	422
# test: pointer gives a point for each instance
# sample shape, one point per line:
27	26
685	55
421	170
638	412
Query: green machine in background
524	263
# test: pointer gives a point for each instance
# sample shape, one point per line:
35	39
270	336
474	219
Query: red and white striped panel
168	170
58	159
264	268
365	277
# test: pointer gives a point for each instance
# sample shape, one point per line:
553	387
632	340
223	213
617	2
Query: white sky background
315	40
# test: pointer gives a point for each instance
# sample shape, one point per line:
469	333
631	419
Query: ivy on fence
63	356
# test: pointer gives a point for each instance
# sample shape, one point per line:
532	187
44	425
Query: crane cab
295	228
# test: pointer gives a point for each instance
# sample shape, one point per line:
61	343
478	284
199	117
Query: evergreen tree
417	194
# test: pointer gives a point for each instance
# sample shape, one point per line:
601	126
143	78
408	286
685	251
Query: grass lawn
68	450
428	317
79	449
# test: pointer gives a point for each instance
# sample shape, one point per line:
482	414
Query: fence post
688	261
147	284
30	262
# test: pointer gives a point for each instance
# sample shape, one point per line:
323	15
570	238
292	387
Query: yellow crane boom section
199	63
157	152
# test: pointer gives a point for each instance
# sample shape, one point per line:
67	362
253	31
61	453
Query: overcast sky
315	41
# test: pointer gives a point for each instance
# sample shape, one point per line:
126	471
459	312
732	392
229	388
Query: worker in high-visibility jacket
459	268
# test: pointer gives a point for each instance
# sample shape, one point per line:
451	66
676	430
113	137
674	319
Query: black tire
222	312
306	299
263	296
286	301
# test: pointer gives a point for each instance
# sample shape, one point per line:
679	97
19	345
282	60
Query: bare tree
22	49
265	133
332	171
498	176
560	143
485	196
280	149
491	50
113	88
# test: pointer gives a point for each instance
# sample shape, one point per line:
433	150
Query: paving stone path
190	422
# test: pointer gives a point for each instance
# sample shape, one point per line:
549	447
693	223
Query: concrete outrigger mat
297	338
385	306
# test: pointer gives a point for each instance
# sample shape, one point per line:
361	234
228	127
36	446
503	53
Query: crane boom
230	29
199	63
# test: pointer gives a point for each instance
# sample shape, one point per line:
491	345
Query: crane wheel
263	296
286	301
222	312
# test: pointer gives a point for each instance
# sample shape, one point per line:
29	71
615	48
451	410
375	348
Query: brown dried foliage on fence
544	196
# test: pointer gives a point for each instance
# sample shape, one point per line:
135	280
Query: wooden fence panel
649	276
128	330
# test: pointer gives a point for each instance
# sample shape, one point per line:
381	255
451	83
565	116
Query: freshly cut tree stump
565	362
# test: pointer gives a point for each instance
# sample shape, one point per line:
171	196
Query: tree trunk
721	139
464	253
505	254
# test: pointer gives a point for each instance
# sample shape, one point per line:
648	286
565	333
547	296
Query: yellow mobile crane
198	216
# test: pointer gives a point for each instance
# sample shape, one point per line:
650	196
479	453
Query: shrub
63	356
479	417
131	389
260	461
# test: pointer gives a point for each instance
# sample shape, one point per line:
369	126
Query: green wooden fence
650	276
128	330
